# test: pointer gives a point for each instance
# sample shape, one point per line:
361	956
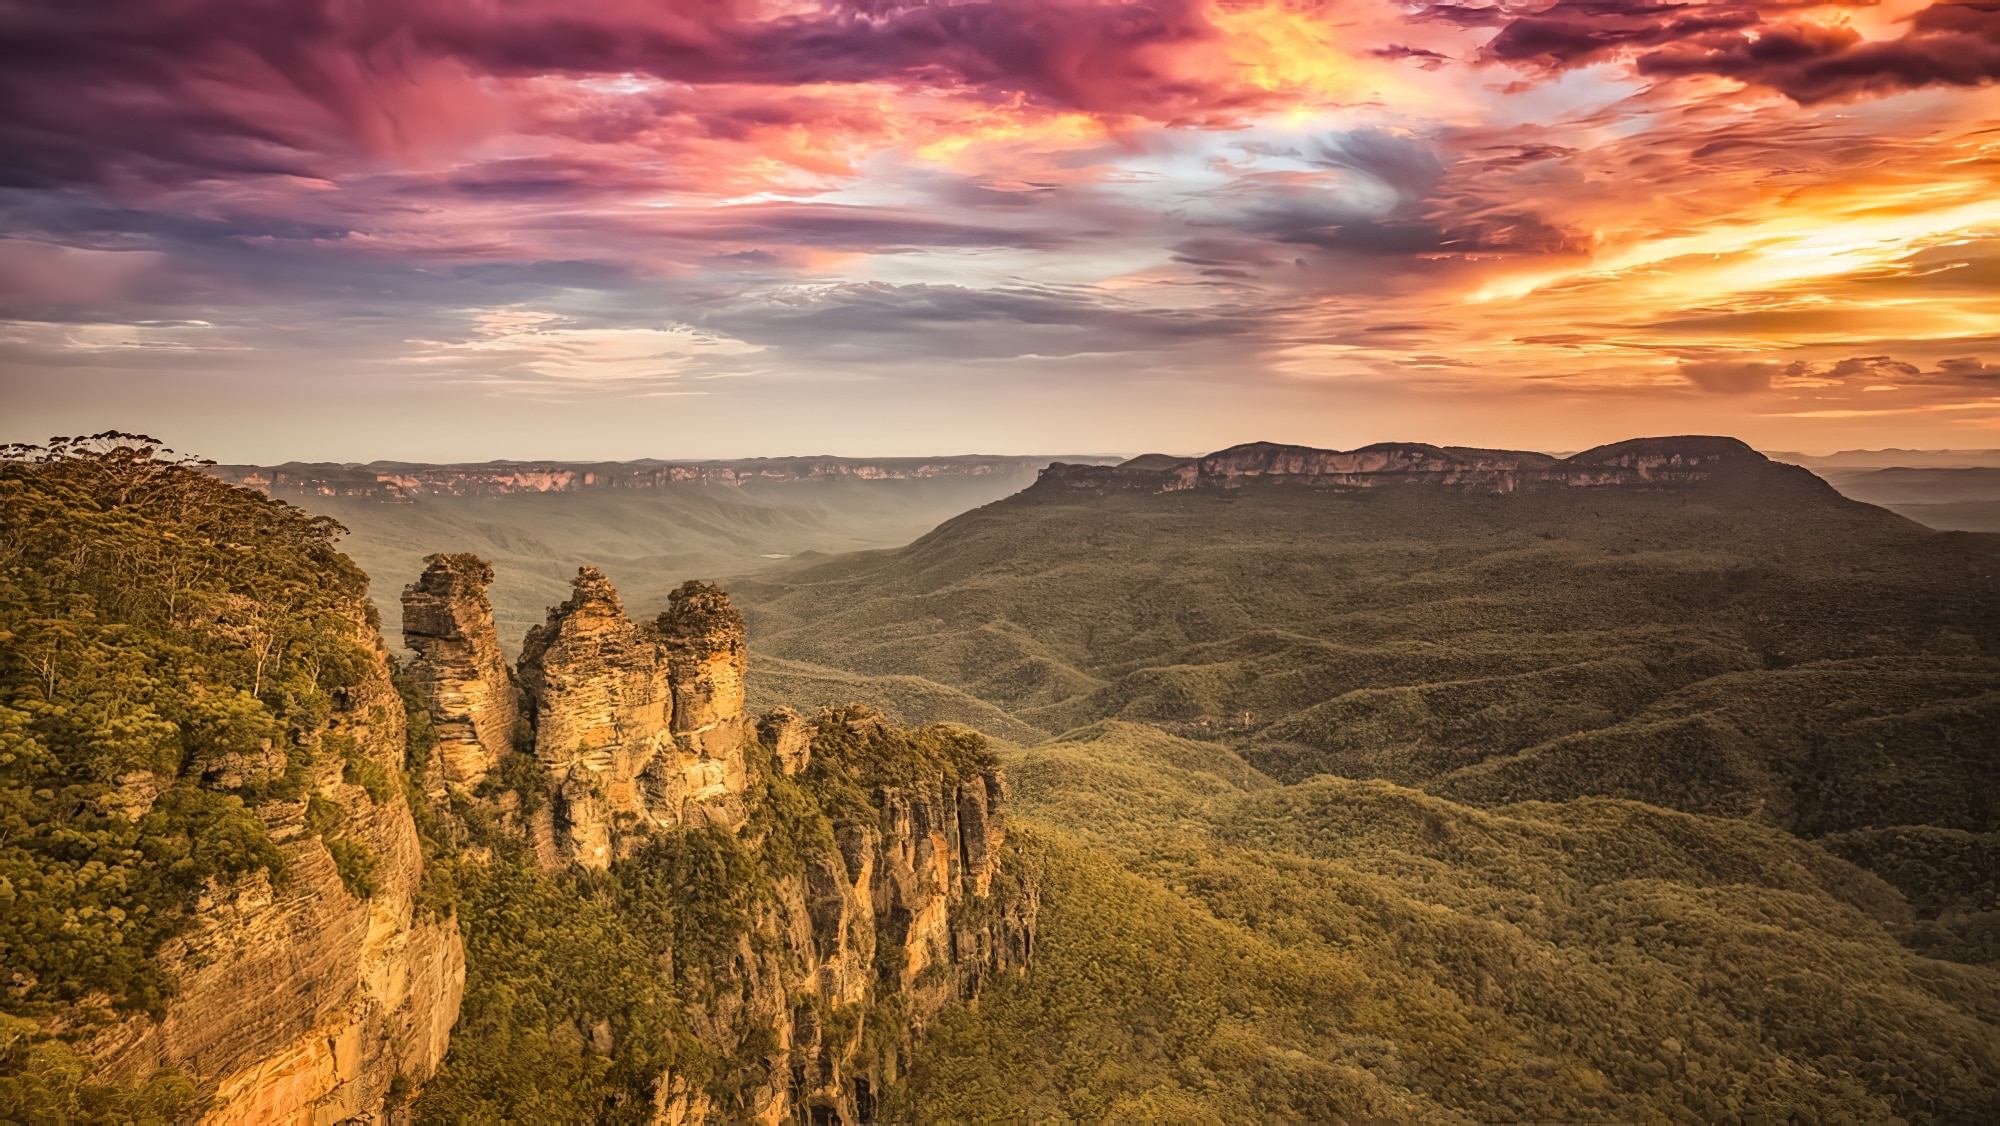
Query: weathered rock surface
1640	461
869	940
789	735
641	727
459	671
301	1002
861	884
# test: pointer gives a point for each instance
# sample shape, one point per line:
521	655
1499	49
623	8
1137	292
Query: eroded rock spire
640	727
459	672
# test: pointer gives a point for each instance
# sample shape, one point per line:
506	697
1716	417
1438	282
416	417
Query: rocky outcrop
459	672
703	636
789	736
860	945
302	1000
1641	461
640	727
849	874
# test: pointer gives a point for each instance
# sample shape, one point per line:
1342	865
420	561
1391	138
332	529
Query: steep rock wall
837	881
1641	461
459	672
640	727
859	939
298	1000
403	481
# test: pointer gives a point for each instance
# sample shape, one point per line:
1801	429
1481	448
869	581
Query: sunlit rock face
702	635
1685	460
640	727
789	735
459	672
864	860
299	1000
908	911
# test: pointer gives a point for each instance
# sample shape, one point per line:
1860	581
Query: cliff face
640	727
1641	461
848	875
300	1000
459	672
702	635
857	947
403	481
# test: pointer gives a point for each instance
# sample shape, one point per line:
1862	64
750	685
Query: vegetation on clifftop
580	984
166	641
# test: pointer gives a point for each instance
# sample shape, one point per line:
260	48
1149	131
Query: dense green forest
1216	946
167	640
1755	645
1337	808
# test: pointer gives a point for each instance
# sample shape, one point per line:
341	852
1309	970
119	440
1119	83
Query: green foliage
420	738
372	778
525	776
43	1079
160	634
355	862
1494	648
1213	947
352	859
855	752
692	893
908	700
551	960
1950	877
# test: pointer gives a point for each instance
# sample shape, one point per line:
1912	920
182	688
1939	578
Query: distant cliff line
1679	460
398	480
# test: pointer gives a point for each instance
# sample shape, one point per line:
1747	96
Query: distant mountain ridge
1892	457
403	480
1669	460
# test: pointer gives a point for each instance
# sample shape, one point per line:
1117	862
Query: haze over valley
845	562
1402	782
650	523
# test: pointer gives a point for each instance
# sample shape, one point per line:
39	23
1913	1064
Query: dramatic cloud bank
687	227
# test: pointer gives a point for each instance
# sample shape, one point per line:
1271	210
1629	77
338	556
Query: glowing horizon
452	230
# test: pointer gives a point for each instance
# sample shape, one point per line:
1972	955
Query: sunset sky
453	229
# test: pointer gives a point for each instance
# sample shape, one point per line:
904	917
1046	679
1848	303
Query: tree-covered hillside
1752	644
1667	804
1218	947
166	644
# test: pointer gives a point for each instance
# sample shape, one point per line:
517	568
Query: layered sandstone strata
1641	461
911	903
703	638
459	672
641	727
855	934
299	1001
403	481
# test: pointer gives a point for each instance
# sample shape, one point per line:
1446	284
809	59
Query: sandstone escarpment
860	942
829	884
640	727
703	637
1641	461
402	481
459	673
309	998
